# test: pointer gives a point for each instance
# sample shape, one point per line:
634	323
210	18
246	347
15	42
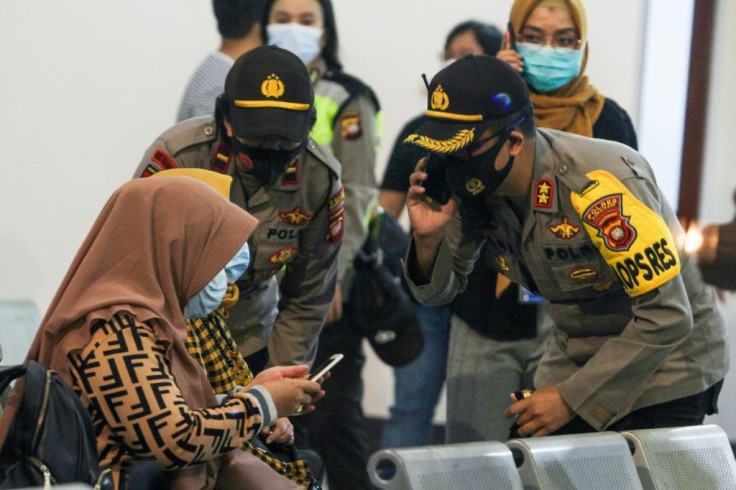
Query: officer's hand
511	57
335	312
541	413
428	217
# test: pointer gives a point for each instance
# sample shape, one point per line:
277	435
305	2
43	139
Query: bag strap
9	373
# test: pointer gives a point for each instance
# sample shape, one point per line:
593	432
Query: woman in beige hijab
115	331
551	53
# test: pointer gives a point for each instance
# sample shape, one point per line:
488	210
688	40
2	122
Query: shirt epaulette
188	133
324	156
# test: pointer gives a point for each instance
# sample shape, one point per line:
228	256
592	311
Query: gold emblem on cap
474	186
440	100
272	86
461	139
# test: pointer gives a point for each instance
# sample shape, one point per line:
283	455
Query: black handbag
296	460
51	440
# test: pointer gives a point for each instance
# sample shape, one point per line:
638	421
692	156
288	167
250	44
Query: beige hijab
576	106
156	243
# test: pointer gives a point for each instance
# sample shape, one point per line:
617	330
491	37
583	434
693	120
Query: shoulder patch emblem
502	264
350	126
634	240
163	159
150	170
582	274
295	217
335	228
606	216
336	200
543	193
564	229
283	255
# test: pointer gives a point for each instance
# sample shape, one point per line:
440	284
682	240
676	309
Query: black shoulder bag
51	440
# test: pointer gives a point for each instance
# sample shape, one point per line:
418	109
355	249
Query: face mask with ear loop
474	177
208	298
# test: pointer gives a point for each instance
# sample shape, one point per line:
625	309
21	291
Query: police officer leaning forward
259	136
639	342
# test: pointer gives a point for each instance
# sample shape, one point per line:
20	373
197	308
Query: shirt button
563	170
208	130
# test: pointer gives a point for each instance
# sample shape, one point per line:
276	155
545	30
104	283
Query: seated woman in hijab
161	249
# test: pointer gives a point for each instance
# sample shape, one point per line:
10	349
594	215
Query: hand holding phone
325	367
436	185
508	52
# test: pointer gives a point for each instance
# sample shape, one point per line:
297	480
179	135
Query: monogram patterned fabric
137	409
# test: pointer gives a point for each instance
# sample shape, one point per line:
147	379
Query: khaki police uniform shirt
298	236
636	325
349	127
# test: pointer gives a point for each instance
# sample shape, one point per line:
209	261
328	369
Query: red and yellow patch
543	193
582	274
336	200
283	255
336	227
350	126
564	229
295	217
162	159
606	216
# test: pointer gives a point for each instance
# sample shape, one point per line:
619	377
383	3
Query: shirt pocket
578	268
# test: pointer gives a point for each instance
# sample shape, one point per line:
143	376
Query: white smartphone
328	364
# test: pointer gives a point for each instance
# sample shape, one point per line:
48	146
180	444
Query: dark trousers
337	428
690	410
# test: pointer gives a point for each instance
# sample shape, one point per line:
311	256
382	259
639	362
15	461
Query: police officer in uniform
259	136
639	342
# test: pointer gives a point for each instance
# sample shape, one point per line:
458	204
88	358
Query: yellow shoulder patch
634	240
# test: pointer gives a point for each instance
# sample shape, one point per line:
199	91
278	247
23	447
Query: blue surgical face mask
238	264
547	68
208	298
303	41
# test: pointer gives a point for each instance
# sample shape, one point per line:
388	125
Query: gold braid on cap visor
251	104
461	139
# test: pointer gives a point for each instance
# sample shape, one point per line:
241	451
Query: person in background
495	356
550	53
348	124
639	339
238	22
117	322
260	137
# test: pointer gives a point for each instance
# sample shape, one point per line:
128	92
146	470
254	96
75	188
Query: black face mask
473	177
264	164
